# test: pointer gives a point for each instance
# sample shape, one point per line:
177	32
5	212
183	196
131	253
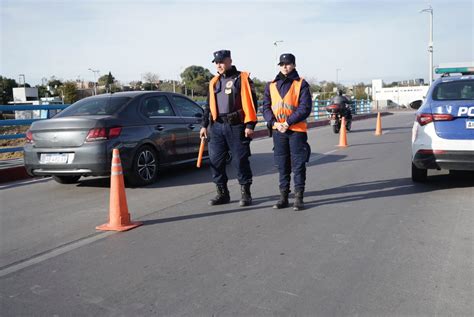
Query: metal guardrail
319	112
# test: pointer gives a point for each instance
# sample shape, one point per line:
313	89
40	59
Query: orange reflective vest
283	107
245	93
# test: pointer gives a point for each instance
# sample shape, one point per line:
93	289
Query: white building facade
397	96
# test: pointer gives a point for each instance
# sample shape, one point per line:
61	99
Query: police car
443	133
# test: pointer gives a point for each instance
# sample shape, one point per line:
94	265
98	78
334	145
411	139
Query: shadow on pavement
383	129
188	174
388	188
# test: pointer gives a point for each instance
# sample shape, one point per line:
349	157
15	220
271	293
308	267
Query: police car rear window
454	90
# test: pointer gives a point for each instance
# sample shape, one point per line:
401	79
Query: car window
95	106
186	107
158	106
454	90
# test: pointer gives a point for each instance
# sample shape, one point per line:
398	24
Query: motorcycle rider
342	100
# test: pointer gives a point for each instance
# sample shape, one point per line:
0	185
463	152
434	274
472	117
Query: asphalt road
370	243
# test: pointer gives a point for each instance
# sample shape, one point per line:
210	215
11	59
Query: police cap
219	56
287	58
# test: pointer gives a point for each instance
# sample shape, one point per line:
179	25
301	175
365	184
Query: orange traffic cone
343	134
378	127
119	218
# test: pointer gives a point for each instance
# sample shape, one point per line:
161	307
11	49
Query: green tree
6	89
69	92
42	91
107	81
259	86
359	91
197	78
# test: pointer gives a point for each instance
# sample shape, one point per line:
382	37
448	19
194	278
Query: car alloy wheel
144	169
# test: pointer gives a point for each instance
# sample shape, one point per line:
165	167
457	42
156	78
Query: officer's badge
228	87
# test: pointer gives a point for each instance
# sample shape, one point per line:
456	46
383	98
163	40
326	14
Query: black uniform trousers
225	137
291	152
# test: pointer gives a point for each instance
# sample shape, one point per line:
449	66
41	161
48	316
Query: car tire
66	179
418	175
144	169
335	129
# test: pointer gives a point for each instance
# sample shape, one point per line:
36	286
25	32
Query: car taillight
425	118
98	134
442	117
422	151
29	137
114	132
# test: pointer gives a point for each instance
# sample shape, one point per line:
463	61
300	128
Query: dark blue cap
219	56
287	58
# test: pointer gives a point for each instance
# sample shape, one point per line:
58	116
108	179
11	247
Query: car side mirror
198	115
416	104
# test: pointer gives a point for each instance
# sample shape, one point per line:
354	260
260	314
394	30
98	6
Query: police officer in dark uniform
286	105
230	116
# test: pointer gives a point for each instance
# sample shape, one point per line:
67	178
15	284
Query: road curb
15	173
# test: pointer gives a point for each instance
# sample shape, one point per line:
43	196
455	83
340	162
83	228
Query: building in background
399	96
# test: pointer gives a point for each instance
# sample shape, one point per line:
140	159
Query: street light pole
276	52
95	71
430	44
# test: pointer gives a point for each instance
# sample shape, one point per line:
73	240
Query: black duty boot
298	204
222	196
246	199
283	201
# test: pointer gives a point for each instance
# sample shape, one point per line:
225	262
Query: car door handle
191	126
159	127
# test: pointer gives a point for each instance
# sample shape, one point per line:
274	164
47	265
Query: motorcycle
337	111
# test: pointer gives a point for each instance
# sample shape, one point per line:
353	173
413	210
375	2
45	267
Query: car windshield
95	106
454	90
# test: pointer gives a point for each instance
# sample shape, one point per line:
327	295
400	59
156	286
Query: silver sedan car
152	130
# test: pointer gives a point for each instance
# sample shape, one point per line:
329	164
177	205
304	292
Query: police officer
286	105
231	117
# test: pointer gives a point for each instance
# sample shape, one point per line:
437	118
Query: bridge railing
42	112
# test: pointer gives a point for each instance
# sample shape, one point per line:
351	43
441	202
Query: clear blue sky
365	39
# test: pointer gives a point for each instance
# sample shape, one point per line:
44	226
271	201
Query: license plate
56	158
469	124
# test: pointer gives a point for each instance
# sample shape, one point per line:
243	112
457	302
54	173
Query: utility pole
96	72
276	53
430	43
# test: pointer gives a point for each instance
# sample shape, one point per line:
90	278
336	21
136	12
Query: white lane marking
317	157
53	253
285	292
13	184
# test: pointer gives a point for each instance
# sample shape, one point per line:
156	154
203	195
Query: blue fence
47	111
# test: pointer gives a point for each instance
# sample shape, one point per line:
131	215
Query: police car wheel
66	179
144	170
418	175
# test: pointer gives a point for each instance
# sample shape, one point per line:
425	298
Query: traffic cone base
108	227
119	218
343	134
